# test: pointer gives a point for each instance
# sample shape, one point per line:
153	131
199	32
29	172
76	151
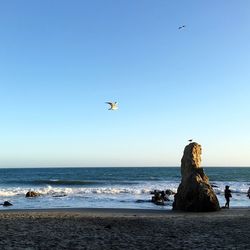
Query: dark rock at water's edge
6	204
31	194
159	197
194	193
169	192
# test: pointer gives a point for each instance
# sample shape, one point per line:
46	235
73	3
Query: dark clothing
227	196
228	193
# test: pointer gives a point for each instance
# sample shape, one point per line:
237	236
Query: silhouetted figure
248	193
228	195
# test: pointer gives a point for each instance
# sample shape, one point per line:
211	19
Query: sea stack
194	194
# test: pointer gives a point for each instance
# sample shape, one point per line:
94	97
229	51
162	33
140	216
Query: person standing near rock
248	193
228	195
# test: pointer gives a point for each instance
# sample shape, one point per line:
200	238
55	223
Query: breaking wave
72	188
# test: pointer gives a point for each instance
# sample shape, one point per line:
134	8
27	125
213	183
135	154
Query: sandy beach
124	229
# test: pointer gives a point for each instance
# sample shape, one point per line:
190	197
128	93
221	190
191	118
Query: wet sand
124	229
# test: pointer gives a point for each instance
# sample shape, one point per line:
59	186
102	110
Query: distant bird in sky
181	27
190	140
113	105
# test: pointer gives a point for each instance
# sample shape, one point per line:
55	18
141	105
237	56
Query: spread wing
110	103
113	105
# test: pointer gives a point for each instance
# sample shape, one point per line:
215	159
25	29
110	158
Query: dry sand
124	229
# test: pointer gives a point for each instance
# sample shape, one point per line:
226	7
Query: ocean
110	187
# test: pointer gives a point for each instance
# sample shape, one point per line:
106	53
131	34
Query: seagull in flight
181	27
113	105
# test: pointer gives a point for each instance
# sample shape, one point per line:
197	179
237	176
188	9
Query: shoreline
98	228
121	210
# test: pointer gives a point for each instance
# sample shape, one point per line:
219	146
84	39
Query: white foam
113	190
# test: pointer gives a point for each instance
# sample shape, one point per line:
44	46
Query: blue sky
60	61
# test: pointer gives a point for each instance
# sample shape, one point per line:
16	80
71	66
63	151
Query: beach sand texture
124	229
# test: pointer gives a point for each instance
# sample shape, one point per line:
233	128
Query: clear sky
61	60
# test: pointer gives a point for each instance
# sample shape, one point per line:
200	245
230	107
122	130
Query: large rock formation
194	193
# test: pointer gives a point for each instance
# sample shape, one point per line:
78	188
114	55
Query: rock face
194	193
159	197
32	194
6	204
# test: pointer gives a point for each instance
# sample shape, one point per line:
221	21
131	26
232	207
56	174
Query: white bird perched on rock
113	105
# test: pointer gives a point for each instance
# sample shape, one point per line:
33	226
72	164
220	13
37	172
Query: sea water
110	187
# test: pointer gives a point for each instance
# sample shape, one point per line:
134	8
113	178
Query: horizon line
39	167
